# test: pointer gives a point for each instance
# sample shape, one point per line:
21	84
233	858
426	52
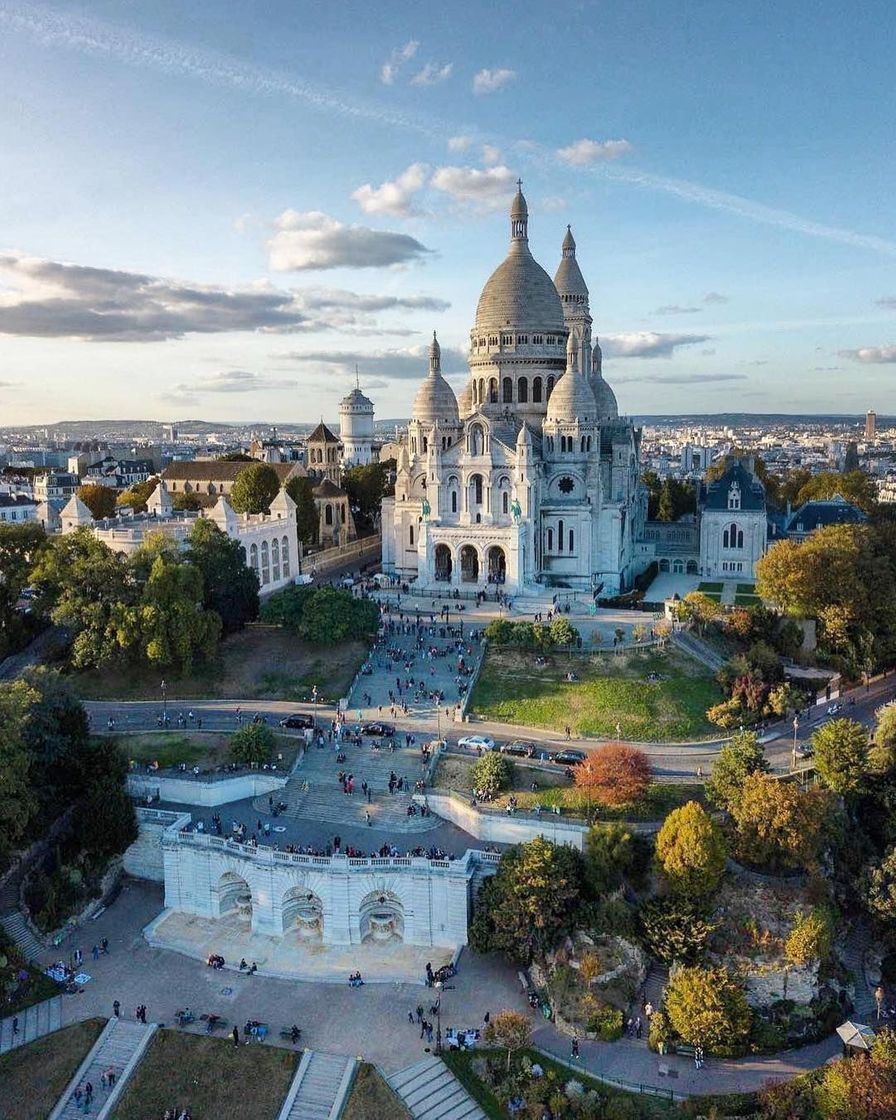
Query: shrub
492	773
606	1022
707	1008
677	928
811	937
253	743
691	850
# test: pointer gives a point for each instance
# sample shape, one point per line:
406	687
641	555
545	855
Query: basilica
530	479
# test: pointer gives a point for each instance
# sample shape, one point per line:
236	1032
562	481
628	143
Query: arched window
583	443
328	514
550	540
572	540
253	556
505	502
454	501
411	535
522	390
536	390
284	557
550	389
507	390
342	512
482	390
476	481
560	537
275	559
265	564
493	390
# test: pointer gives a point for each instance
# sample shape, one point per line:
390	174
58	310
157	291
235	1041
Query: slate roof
321	434
327	489
817	513
752	492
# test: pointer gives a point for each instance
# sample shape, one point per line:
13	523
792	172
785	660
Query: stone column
339	926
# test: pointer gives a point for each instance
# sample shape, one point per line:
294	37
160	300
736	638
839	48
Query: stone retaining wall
194	791
500	828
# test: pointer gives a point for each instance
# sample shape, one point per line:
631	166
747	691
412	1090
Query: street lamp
164	688
796	725
439	986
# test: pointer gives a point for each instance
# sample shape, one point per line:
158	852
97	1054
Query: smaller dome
519	211
356	399
524	439
572	399
607	407
568	279
569	242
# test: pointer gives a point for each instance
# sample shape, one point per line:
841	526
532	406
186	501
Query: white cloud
682	378
395	196
459	143
489	188
313	240
584	152
887	301
408	363
240	381
488	81
431	74
400	55
490	155
675	309
716	297
647	344
871	355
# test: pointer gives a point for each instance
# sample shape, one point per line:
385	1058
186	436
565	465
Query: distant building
55	485
356	429
733	523
870	424
696	458
818	513
322	454
17	508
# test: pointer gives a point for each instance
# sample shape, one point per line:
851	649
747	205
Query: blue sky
217	209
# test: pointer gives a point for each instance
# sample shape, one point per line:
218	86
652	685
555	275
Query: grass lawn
203	749
742	600
746	589
611	690
32	1078
372	1099
259	663
461	1065
710	588
213	1078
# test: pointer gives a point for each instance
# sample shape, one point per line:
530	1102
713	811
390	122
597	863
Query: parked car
378	729
569	758
834	709
518	747
298	720
477	742
804	750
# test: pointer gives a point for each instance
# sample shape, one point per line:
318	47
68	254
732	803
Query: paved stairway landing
430	1091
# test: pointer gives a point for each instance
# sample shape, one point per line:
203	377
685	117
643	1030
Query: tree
676	928
181	502
100	500
173	626
366	487
20	546
511	1030
610	854
138	495
16	799
254	488
84	585
615	775
700	608
811	937
105	822
691	850
840	750
530	902
882	752
707	1008
778	825
235	457
252	743
229	585
675	500
880	889
332	616
492	773
563	633
863	1086
56	734
853	486
301	491
741	756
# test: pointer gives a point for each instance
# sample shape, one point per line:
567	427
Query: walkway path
119	1048
13	921
432	1092
32	1023
319	1087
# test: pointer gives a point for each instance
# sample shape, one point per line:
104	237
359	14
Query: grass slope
32	1078
202	749
372	1099
258	663
611	690
210	1076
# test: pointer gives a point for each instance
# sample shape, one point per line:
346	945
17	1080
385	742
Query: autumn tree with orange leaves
614	775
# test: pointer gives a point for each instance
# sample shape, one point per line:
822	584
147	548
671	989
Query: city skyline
209	215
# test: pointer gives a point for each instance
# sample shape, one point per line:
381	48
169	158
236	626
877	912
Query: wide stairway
120	1048
14	924
430	1091
319	1087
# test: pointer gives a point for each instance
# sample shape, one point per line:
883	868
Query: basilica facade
530	479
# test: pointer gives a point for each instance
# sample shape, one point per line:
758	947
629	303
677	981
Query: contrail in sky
103	40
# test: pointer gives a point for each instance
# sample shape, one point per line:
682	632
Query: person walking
95	952
116	1009
367	818
411	1017
575	1047
104	945
236	1036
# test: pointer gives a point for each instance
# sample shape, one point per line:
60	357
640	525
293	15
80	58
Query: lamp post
439	986
796	725
164	688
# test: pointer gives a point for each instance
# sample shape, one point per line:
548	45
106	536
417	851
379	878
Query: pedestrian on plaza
411	1017
419	1012
575	1047
638	1027
429	1032
77	1095
96	952
88	1094
103	1083
15	1024
110	1072
367	818
116	1009
104	945
422	1027
369	795
79	956
486	1018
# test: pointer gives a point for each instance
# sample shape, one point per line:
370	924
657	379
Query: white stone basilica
531	479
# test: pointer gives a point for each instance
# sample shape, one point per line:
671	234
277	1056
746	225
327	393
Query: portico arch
497	564
444	563
469	564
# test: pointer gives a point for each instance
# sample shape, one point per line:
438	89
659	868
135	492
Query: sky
218	209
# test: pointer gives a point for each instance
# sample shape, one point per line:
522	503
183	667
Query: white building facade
733	524
356	429
530	480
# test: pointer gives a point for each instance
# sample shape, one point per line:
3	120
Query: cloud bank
310	239
647	344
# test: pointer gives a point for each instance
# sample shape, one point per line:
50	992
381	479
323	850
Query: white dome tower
356	427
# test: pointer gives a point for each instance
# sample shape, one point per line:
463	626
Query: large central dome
519	294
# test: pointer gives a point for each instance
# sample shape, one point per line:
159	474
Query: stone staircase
430	1091
325	802
654	986
698	649
319	1088
19	932
33	1022
855	948
120	1047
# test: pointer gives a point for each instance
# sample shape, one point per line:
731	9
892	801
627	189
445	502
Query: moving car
518	747
378	729
834	709
298	720
477	742
570	758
